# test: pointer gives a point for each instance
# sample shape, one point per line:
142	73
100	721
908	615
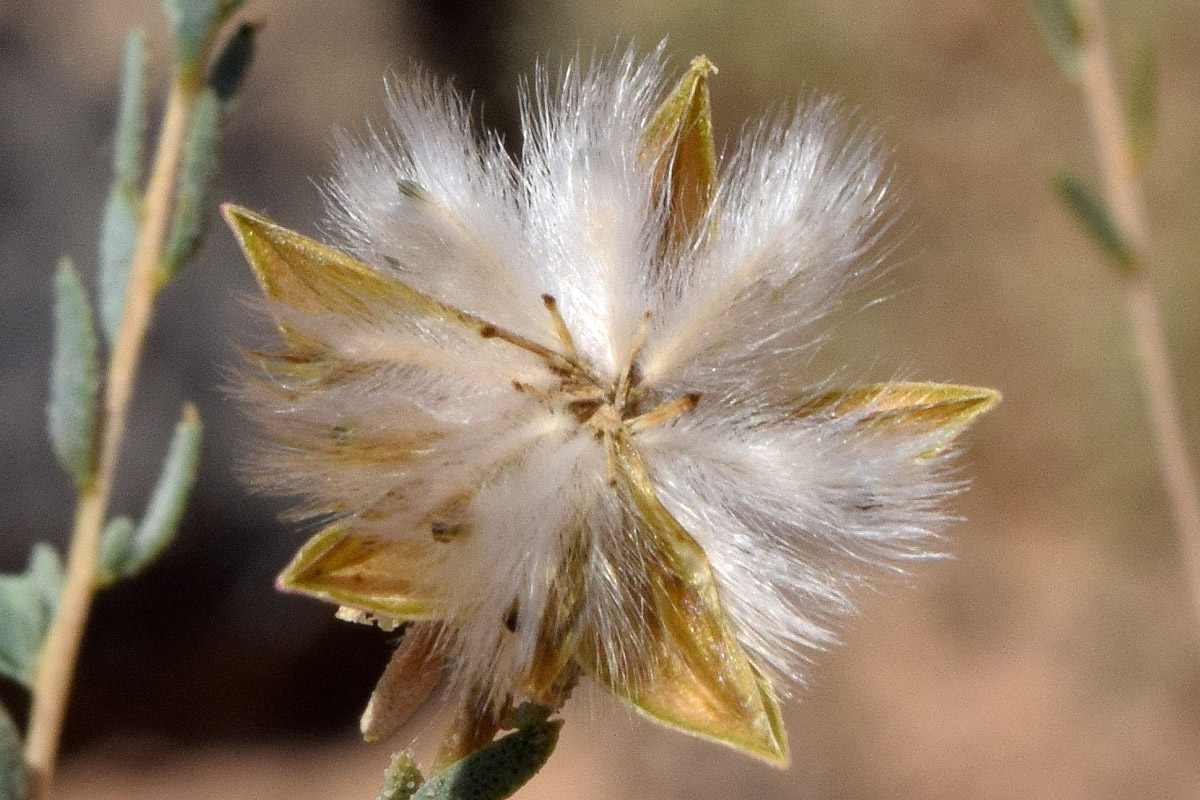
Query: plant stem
56	666
1124	192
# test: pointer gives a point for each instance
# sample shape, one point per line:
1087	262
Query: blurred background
1054	656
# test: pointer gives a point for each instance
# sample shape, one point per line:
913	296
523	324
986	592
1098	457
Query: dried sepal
680	139
942	410
372	575
699	678
307	276
407	681
553	670
476	722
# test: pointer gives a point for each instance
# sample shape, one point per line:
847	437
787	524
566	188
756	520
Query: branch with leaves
150	231
1115	217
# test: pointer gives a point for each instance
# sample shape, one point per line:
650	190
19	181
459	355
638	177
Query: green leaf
498	770
71	412
116	546
28	602
1093	214
1141	103
122	209
196	176
126	551
130	141
171	492
12	760
228	71
118	237
1062	28
193	23
402	778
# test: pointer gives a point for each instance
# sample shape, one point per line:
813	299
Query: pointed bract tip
975	400
242	220
703	66
235	214
989	398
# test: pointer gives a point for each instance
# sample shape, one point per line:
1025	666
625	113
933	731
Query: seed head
554	405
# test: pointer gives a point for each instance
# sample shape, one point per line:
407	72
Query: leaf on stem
122	209
1093	214
28	602
1141	101
197	175
116	544
194	189
12	760
402	779
74	381
1062	28
129	150
124	550
118	238
498	770
229	69
193	23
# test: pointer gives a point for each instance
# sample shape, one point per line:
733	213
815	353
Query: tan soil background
1054	656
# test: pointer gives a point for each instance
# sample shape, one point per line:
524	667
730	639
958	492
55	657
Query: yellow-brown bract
551	407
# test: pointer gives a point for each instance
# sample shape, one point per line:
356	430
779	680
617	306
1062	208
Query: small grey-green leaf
402	778
129	143
163	512
194	190
118	238
46	572
1141	101
1093	214
116	545
526	714
1061	27
71	411
28	602
227	9
498	770
12	761
193	23
227	72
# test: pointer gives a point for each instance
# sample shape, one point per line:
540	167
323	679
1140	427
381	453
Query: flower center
610	410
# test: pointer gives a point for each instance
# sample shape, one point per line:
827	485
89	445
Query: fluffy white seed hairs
550	406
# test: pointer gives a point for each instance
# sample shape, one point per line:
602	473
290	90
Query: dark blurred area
1054	656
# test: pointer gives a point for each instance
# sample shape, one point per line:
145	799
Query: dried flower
553	405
